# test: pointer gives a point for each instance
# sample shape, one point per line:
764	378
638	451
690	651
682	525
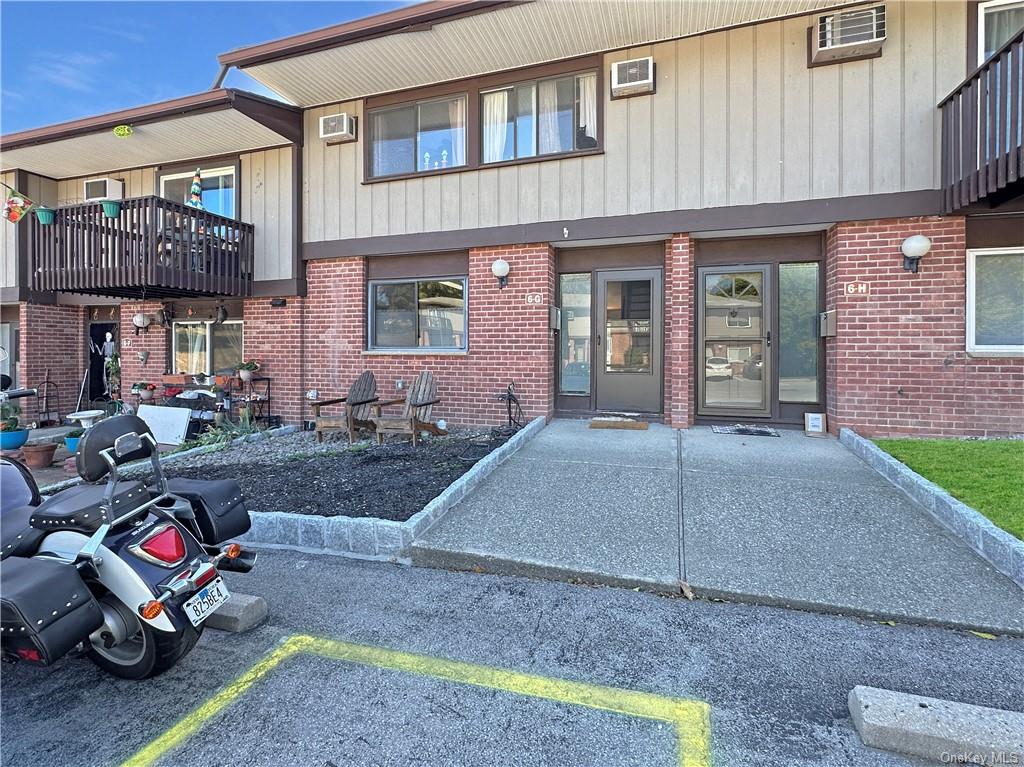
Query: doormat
617	423
746	429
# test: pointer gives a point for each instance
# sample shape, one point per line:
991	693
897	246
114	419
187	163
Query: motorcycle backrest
17	488
89	461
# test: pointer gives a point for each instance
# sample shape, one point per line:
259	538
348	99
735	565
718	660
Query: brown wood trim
846	60
471	88
1001	231
784	248
972	35
276	288
22	237
926	202
298	265
411	18
631	256
400	267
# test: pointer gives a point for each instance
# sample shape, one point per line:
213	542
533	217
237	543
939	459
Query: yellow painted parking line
689	717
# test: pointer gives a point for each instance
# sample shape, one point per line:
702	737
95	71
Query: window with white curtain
995	301
206	347
551	116
426	136
998	21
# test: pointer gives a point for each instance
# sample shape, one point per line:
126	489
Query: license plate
200	607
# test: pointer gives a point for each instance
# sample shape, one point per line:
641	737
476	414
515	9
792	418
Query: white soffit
507	38
224	131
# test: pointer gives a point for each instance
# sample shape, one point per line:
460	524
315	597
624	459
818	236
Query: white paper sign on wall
169	424
534	298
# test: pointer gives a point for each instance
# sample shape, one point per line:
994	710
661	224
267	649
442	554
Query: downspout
220	77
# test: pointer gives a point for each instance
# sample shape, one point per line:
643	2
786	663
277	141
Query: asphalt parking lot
374	664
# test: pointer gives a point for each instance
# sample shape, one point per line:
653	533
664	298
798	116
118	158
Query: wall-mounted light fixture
914	249
141	322
500	270
220	315
143	357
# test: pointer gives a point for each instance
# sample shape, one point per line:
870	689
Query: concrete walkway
794	520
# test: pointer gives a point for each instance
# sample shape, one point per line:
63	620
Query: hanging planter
45	215
111	208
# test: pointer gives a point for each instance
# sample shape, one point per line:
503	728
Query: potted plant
71	440
145	390
247	368
111	208
112	369
45	215
11	436
40	455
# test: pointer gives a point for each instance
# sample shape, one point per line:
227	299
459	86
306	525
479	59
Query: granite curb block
1000	549
240	613
366	537
280	431
946	731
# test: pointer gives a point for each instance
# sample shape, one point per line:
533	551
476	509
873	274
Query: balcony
982	156
155	248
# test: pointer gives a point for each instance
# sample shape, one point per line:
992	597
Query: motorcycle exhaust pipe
243	563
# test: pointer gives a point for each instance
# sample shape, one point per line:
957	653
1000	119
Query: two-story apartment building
694	211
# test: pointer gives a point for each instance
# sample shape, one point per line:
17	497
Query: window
995	301
207	347
430	135
574	334
550	116
998	21
413	314
218	189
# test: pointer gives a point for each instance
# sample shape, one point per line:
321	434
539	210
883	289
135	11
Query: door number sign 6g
534	299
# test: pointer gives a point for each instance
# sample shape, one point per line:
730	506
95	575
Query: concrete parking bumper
240	613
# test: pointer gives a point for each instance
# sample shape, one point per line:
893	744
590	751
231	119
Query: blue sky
62	60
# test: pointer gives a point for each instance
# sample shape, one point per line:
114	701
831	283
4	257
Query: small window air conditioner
103	189
848	34
338	128
633	77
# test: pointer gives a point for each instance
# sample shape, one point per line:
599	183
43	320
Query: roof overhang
216	122
436	42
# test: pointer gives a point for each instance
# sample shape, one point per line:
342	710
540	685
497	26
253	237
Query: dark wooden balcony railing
982	120
155	248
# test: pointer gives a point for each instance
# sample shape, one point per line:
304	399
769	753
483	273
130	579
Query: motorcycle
123	570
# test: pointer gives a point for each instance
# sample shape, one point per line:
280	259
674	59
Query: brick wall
274	337
155	341
508	338
898	364
679	312
53	344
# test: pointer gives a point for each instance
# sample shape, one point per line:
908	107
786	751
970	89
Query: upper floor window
218	189
551	116
998	21
429	135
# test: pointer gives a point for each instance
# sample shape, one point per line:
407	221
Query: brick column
679	299
273	335
52	343
898	364
155	340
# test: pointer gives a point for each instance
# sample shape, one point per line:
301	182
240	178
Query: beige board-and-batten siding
42	191
738	118
265	197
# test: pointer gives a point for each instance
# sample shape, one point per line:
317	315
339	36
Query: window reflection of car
576	377
752	368
717	367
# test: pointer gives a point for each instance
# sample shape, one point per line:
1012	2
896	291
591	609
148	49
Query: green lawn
987	475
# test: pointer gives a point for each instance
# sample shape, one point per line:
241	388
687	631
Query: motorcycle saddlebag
218	505
45	609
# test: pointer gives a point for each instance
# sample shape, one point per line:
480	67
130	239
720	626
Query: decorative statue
108	349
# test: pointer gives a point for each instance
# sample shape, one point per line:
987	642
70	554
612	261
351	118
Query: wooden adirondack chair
361	396
416	407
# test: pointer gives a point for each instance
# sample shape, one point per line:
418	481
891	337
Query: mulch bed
392	481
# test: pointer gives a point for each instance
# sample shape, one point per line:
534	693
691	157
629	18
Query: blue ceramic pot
12	440
71	443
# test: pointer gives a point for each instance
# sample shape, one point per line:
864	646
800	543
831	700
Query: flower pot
71	443
245	375
39	456
45	215
146	394
111	208
12	440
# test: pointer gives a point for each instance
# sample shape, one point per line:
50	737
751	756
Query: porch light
500	270
141	322
914	249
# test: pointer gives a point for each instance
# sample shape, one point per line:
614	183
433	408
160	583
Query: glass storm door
628	341
734	341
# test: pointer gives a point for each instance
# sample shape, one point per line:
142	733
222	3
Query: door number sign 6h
857	288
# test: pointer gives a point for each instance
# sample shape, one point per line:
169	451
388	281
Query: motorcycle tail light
166	546
206	577
29	654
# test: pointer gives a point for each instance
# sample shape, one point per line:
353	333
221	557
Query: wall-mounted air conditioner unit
103	189
633	77
851	34
338	128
